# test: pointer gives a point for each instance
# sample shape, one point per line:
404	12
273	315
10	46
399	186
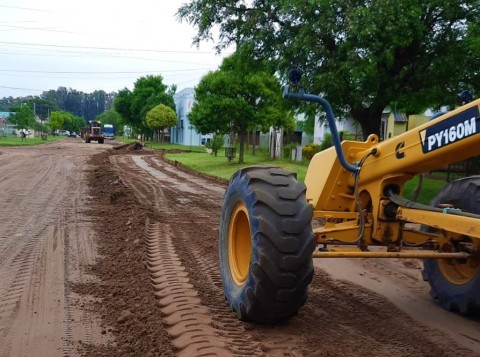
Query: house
5	127
185	133
399	123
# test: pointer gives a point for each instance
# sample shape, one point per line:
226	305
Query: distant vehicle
62	132
72	134
109	131
94	132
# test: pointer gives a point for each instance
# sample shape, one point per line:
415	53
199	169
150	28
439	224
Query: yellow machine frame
336	194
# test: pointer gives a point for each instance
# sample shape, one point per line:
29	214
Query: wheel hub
239	244
459	272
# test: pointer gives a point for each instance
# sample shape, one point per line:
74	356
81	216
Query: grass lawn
15	141
430	188
220	166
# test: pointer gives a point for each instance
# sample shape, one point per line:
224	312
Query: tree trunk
254	142
242	147
370	120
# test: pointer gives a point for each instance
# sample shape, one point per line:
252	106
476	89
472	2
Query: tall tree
87	105
148	92
122	104
361	55
234	100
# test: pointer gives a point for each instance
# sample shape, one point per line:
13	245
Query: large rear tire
266	244
456	283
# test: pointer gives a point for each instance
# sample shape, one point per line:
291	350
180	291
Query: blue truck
108	131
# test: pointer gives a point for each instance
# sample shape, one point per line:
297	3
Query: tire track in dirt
20	246
219	319
339	318
143	188
188	321
42	189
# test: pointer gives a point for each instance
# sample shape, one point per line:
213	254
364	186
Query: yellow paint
330	188
239	244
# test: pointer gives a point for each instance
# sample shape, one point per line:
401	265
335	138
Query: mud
134	272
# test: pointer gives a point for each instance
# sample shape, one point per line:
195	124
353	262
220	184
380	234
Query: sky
97	45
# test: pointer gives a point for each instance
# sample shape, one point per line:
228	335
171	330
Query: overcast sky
103	44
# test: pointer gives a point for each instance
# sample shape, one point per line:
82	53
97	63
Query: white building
185	133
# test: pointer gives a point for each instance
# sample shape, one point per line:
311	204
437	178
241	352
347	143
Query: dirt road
128	267
45	244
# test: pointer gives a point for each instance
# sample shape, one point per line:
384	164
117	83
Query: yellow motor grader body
272	226
330	187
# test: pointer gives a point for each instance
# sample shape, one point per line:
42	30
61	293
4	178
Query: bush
287	150
215	144
309	150
326	142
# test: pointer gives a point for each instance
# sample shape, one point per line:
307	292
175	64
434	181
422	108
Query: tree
56	120
42	107
361	55
216	143
122	104
23	118
148	92
86	105
237	98
73	123
65	120
159	118
112	117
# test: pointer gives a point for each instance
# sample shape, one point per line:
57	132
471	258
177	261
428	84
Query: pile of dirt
124	296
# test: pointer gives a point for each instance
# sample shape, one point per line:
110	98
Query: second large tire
456	284
266	244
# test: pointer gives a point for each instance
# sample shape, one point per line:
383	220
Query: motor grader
351	206
93	131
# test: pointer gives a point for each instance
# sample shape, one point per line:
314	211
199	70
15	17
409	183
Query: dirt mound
125	300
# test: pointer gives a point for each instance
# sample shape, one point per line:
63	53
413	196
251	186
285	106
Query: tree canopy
86	105
363	56
148	92
23	118
112	117
64	120
56	120
238	98
161	117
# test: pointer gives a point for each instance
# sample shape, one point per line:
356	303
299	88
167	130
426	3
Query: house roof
400	117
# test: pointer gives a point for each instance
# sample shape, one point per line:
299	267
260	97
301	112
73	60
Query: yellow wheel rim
239	244
459	273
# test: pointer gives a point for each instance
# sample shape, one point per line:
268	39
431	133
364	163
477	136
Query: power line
37	90
103	72
73	54
107	48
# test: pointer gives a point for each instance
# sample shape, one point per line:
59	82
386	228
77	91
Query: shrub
309	150
215	144
287	150
326	142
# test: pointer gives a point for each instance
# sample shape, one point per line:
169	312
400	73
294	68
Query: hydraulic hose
403	202
331	122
